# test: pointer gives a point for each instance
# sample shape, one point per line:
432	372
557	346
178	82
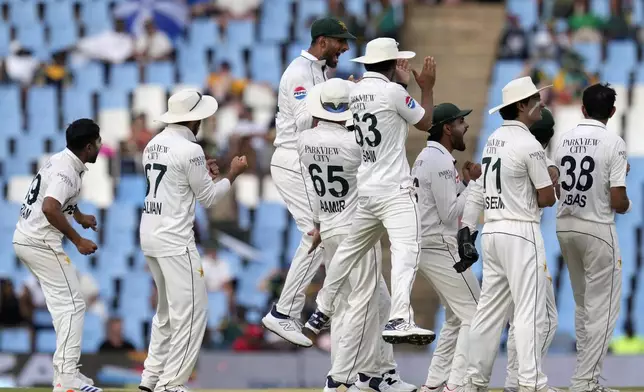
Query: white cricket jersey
292	117
331	157
177	176
382	111
514	167
60	178
441	196
591	160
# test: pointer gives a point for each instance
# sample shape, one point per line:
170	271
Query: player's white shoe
400	331
80	375
392	378
334	386
288	329
74	382
369	384
427	388
318	322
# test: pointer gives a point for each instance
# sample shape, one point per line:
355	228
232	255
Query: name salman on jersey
322	154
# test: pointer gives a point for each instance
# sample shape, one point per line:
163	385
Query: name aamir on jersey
332	207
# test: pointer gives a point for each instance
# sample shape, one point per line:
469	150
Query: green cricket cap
544	129
330	27
444	113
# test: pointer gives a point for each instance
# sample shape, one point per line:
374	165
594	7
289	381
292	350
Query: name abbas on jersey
153	153
323	155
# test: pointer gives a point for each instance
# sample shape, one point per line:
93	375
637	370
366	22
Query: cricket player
516	184
52	197
441	199
178	176
593	166
329	40
543	130
382	110
331	156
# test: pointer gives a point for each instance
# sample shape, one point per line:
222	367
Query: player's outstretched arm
426	80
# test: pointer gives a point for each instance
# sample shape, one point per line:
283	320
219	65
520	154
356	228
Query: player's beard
93	157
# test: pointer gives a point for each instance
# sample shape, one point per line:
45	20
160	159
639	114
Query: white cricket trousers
180	321
397	214
362	310
296	189
591	252
60	286
459	294
547	336
514	271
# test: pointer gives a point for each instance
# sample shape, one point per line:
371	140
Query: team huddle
341	167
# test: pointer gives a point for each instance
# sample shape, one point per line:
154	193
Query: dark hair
599	101
80	133
435	136
511	112
381	67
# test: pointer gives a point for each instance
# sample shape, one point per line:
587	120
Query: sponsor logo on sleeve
409	101
299	93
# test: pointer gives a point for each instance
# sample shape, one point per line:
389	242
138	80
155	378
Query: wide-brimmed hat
330	100
189	105
517	90
382	49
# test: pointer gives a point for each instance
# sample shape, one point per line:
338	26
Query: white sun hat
189	105
517	90
330	100
382	49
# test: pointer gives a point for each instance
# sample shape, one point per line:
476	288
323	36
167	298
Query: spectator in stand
617	26
514	41
114	341
544	45
20	65
388	23
55	73
223	85
584	25
219	277
132	148
11	314
252	339
153	44
571	80
238	9
113	47
249	138
89	289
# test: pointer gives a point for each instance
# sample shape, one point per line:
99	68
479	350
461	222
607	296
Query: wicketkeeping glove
466	249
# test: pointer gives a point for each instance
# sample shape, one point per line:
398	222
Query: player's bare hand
317	240
238	165
427	76
471	171
403	71
85	246
213	169
87	221
554	174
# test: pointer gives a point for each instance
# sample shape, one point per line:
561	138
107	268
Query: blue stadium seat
111	98
93	333
23	13
112	261
234	56
106	286
203	222
30	149
90	77
132	189
591	52
15	340
31	36
124	76
240	33
295	50
271	215
275	22
269	242
161	73
62	37
217	308
266	65
42	319
600	8
46	341
60	13
18	166
4	39
133	331
306	14
10	212
357	8
77	103
243	217
42	100
622	59
193	66
96	15
204	34
527	11
248	294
